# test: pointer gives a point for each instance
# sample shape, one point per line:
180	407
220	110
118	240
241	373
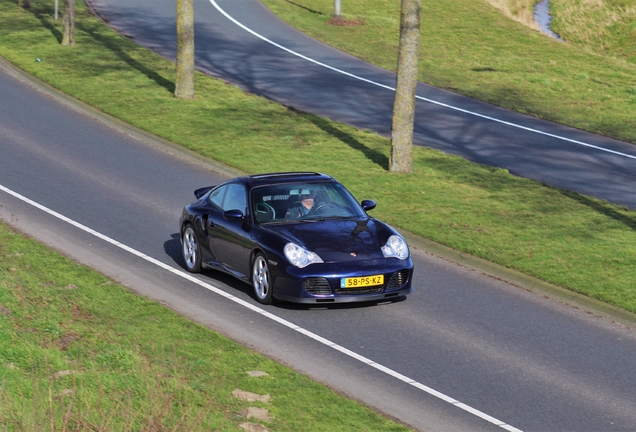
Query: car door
213	208
230	239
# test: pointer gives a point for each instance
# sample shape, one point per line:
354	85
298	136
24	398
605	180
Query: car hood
338	240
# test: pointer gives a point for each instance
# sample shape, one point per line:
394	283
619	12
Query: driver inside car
307	201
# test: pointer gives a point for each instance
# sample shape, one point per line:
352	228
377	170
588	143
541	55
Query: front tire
191	250
262	280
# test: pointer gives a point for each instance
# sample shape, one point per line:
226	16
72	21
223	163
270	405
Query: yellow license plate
360	282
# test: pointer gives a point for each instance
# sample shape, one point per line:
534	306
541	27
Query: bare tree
406	83
25	4
68	22
184	87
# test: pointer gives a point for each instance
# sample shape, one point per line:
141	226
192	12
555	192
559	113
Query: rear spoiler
202	191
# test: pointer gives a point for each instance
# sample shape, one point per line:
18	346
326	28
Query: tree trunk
25	4
184	87
68	21
337	8
406	83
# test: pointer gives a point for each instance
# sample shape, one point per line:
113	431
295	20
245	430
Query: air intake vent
368	290
398	280
317	286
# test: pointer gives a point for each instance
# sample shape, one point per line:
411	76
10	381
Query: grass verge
79	352
604	27
581	243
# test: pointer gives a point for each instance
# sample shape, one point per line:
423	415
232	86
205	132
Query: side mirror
367	205
233	215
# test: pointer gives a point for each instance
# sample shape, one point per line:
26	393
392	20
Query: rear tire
190	250
262	280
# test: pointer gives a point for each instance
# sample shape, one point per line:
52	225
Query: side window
217	196
236	198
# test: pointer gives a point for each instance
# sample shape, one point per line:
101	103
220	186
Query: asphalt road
242	42
464	352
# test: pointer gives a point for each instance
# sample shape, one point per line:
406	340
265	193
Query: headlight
396	247
299	256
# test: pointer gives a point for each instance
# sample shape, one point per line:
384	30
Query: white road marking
263	312
573	141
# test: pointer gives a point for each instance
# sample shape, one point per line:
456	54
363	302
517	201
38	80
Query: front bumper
320	283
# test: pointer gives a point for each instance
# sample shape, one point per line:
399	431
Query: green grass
79	352
607	28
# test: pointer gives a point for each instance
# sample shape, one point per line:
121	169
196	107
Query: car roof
286	177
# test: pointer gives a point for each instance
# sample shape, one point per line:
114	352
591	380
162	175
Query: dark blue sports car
298	237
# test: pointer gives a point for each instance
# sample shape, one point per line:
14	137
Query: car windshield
292	202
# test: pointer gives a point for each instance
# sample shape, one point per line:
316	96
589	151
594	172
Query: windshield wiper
286	221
